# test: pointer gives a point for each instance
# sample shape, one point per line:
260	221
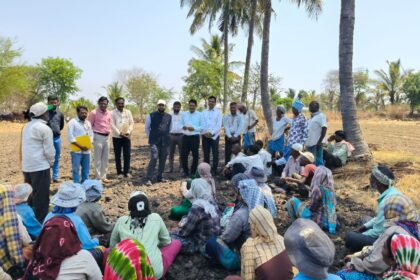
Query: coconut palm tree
251	24
392	81
348	105
114	91
313	8
230	13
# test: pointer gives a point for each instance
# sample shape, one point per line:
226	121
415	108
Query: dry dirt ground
393	142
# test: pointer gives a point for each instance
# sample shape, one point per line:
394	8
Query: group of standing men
179	129
41	145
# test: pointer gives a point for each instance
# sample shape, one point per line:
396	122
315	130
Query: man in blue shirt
382	179
234	126
191	128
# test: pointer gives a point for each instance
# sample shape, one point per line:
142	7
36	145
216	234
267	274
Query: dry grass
395	157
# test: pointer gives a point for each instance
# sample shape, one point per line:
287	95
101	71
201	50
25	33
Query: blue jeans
80	160
318	154
56	166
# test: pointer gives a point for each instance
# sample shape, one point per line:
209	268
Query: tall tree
411	88
348	105
58	76
251	25
231	14
313	8
114	91
392	80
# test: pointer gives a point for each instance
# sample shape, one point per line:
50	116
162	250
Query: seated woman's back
263	255
146	227
79	266
58	254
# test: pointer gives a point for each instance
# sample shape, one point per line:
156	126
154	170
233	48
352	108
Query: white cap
309	156
38	109
161	101
297	147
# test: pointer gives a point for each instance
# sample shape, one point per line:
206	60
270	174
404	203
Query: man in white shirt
80	126
38	156
252	160
234	126
317	129
191	128
122	124
265	157
176	135
250	122
211	125
236	151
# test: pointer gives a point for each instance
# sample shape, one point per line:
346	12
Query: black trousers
355	241
331	161
39	200
213	145
122	144
228	148
190	144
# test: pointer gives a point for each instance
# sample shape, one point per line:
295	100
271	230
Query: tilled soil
167	194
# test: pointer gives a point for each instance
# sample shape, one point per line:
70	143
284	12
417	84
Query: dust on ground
353	199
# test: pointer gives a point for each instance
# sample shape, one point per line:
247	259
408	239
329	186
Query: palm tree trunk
265	98
226	50
249	50
348	105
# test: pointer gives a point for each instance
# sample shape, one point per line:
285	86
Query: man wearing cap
91	211
157	128
38	155
304	179
292	166
299	128
22	193
56	122
191	127
211	124
317	129
122	126
250	123
101	119
280	123
310	250
80	126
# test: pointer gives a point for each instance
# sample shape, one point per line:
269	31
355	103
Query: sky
102	37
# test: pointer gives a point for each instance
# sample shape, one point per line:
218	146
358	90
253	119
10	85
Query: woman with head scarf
128	260
204	172
149	229
337	153
202	221
310	250
402	253
299	128
401	217
11	254
225	249
280	123
91	211
263	256
69	196
58	254
320	207
257	176
22	192
383	181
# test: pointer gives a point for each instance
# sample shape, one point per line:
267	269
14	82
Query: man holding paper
122	126
80	135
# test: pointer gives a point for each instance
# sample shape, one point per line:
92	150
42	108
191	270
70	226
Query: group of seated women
77	241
